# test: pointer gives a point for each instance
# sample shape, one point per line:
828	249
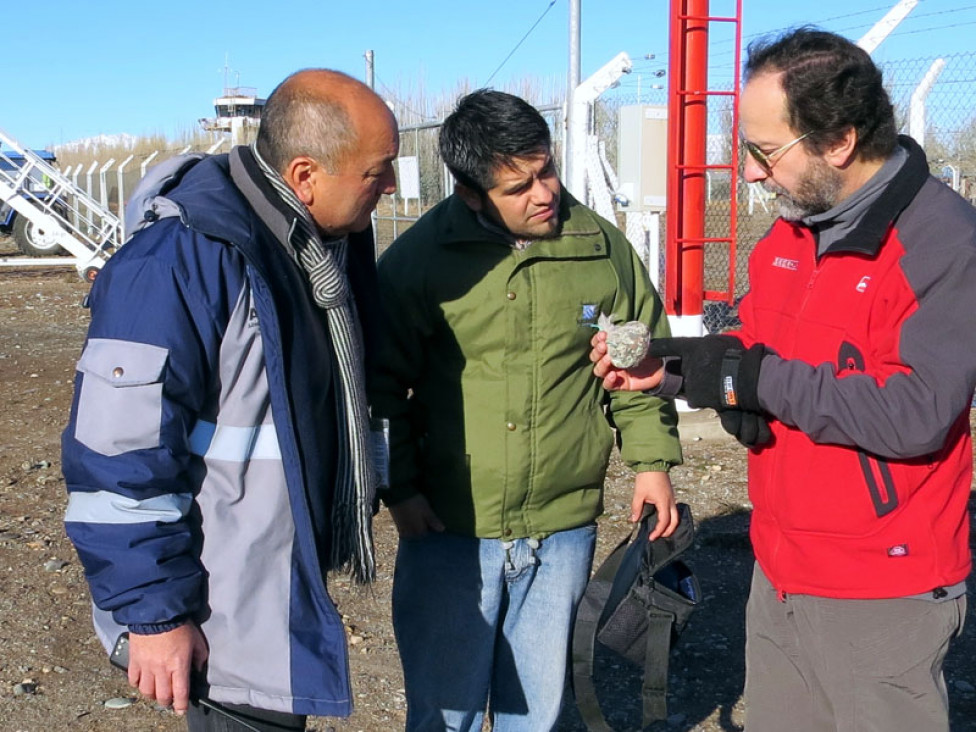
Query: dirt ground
54	675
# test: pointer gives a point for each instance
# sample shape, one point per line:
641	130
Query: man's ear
299	174
470	196
840	154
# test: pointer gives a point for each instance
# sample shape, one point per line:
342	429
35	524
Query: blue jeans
482	623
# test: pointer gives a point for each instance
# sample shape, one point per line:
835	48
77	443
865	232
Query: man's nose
389	184
542	193
752	171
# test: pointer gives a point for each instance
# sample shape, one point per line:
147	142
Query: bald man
217	458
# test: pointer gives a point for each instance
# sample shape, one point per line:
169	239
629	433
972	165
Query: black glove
717	370
749	428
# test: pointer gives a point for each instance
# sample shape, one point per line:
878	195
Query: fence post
120	173
916	109
145	164
103	193
583	96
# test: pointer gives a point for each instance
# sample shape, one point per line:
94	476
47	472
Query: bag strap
657	651
657	654
584	636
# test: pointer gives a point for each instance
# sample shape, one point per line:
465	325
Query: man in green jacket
499	435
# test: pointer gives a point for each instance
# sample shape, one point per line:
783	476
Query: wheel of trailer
90	274
34	241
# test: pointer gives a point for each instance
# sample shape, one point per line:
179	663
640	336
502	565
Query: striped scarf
325	265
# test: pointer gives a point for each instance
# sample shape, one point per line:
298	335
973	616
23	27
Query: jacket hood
211	204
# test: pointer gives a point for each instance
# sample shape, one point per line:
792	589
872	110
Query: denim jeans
482	623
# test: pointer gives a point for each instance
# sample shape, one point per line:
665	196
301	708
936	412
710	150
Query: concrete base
701	424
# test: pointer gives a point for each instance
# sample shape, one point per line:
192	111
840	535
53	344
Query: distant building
238	112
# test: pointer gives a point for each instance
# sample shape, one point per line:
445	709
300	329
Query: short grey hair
297	121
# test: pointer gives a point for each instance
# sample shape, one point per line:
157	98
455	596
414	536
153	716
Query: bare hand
159	664
655	488
645	375
414	517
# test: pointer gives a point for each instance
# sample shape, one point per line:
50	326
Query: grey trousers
816	664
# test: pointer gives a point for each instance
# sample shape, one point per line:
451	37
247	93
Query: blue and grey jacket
200	453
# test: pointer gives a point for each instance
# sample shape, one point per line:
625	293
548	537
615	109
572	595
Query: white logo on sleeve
784	263
863	284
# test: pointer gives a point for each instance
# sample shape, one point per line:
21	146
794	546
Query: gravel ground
54	676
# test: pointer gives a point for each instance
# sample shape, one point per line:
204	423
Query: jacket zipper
884	497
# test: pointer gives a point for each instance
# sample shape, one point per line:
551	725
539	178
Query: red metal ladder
688	96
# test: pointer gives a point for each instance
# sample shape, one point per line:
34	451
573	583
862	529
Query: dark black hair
831	85
490	128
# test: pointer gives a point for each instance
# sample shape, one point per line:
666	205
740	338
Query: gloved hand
717	370
749	428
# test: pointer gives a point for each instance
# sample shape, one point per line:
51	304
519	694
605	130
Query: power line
423	117
934	28
510	53
847	16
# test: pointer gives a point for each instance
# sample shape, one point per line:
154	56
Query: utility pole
370	75
574	82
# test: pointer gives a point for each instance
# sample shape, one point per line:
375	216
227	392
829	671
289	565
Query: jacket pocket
876	472
881	486
120	402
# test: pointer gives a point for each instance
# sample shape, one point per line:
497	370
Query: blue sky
79	69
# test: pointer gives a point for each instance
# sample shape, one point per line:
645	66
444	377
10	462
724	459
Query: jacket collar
211	204
869	231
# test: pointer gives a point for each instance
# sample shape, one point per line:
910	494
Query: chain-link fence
424	181
944	119
722	267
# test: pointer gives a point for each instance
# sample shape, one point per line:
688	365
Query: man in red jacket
850	381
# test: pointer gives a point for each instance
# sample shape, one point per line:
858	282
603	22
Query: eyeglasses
767	160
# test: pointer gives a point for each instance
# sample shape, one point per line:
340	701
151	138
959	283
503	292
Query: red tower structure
685	234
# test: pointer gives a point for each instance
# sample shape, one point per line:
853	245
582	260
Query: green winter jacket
495	414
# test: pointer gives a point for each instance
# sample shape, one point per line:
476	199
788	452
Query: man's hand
414	517
718	371
655	488
159	665
749	428
645	375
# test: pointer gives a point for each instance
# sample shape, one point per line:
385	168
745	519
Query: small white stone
118	702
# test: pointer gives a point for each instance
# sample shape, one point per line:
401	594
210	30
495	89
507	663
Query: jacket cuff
672	381
156	628
657	466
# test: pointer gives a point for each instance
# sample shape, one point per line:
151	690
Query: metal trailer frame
66	213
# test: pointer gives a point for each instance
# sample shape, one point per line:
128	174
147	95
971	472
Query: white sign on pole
408	179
